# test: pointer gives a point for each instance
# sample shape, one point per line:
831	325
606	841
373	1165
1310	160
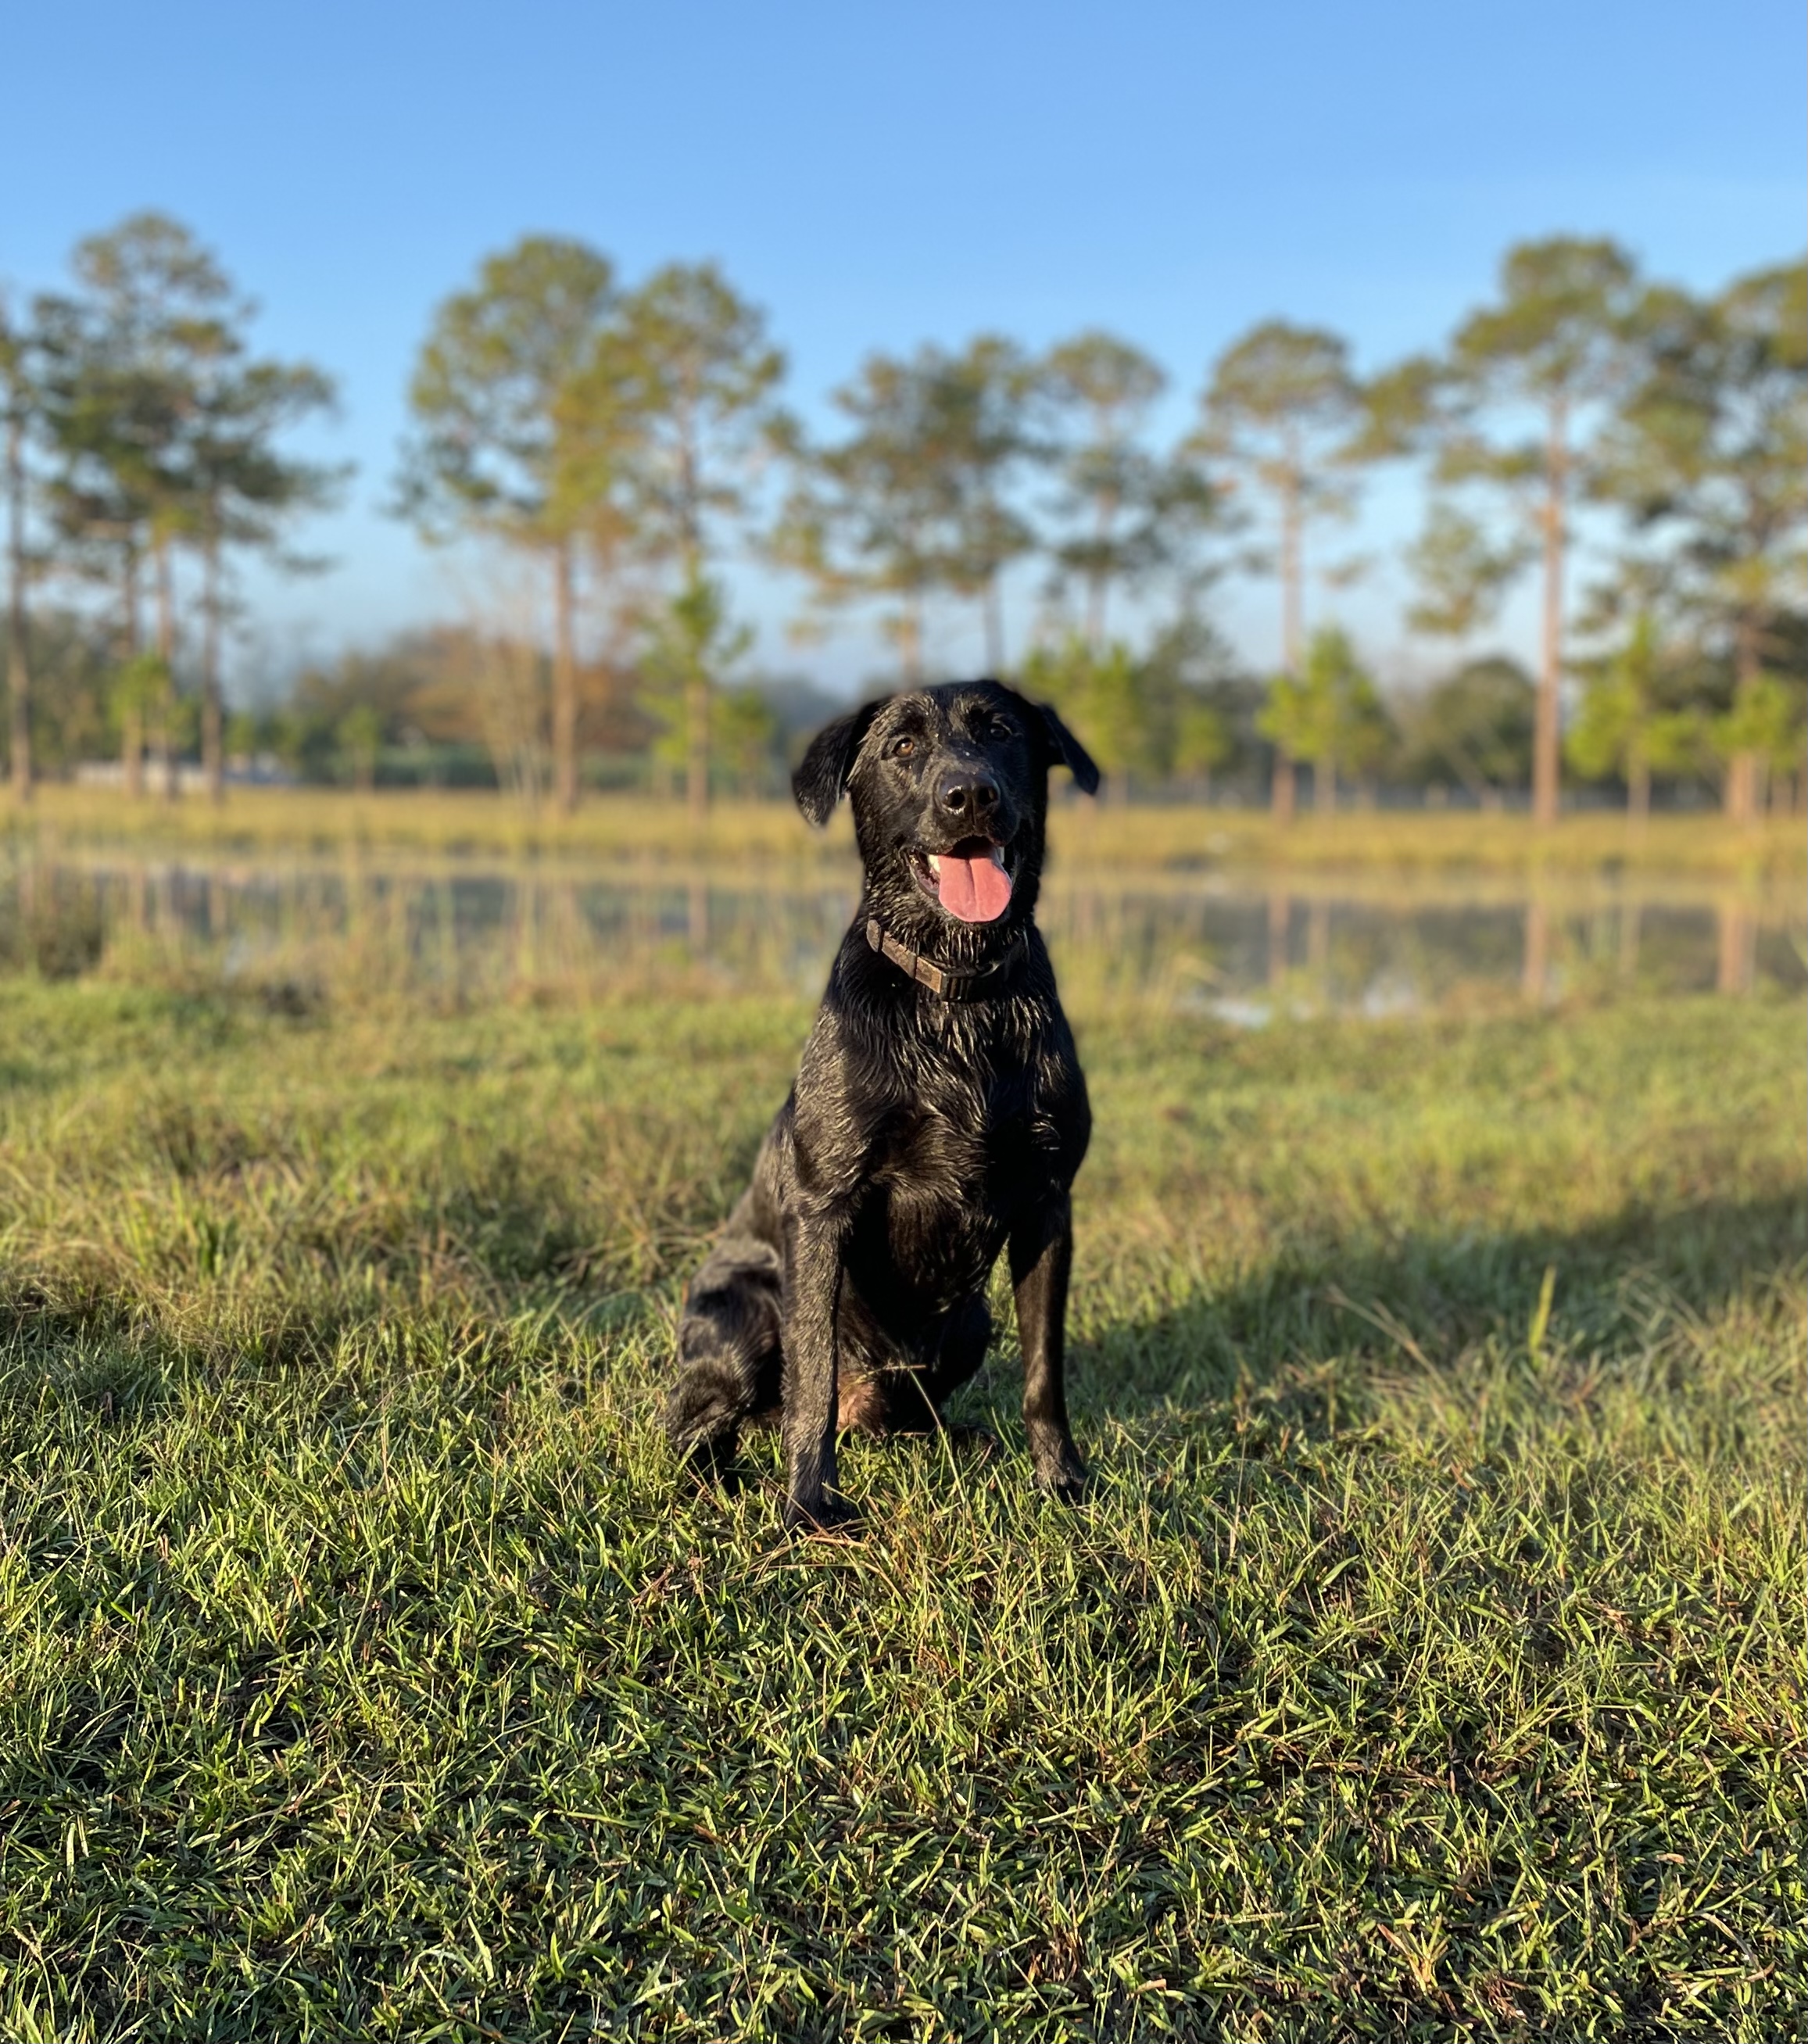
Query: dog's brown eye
903	748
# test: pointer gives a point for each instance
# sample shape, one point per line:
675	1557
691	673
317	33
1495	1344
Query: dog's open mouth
970	879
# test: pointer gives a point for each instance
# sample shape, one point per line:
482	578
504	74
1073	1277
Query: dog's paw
828	1512
1062	1475
713	1465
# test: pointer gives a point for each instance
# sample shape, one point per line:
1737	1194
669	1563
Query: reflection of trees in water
378	924
1280	918
1318	948
697	916
1535	973
1736	964
1631	912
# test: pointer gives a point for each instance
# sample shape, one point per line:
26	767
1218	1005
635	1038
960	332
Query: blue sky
876	176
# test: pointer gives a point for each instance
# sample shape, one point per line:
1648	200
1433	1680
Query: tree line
611	447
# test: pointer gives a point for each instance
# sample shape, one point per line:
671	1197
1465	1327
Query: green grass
1427	1665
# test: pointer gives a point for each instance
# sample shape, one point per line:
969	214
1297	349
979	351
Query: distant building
262	770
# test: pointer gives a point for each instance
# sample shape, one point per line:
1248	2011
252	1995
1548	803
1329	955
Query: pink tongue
975	889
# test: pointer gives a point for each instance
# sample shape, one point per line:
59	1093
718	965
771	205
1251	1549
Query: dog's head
949	790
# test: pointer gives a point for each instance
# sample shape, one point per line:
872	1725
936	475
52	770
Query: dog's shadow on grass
1325	1311
1305	1329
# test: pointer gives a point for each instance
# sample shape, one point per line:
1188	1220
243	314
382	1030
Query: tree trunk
697	687
1741	767
1285	795
18	646
1098	583
161	745
1546	761
1638	789
1324	786
909	639
131	720
697	734
1285	787
564	683
1293	629
1741	797
132	749
213	719
994	628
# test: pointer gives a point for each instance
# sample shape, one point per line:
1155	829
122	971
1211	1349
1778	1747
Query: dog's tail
704	1410
728	1351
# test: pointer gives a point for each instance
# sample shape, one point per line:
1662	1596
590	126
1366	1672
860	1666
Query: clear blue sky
880	176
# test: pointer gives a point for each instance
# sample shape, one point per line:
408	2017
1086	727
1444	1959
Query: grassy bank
1428	1663
1185	838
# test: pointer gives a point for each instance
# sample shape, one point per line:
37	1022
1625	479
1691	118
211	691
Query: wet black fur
923	1136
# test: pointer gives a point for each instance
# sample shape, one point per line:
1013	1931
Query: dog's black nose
965	797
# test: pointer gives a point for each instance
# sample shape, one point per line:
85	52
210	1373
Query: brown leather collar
948	982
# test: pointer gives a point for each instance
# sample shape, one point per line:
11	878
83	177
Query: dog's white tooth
935	864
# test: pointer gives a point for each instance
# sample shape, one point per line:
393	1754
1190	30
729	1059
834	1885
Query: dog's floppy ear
822	775
1065	748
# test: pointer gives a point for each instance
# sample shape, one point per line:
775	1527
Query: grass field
1427	1664
1189	837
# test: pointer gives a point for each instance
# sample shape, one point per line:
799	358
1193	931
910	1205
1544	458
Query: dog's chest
943	1190
971	1141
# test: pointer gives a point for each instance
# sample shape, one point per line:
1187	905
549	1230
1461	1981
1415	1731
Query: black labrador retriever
939	1116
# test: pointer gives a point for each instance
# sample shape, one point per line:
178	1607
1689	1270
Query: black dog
939	1116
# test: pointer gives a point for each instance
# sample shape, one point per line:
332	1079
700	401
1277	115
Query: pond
1240	947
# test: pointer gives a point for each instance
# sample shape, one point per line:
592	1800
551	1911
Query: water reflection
1737	970
1242	950
1330	952
1535	971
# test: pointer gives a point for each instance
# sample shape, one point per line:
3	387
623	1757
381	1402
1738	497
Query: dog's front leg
812	1300
1042	1254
